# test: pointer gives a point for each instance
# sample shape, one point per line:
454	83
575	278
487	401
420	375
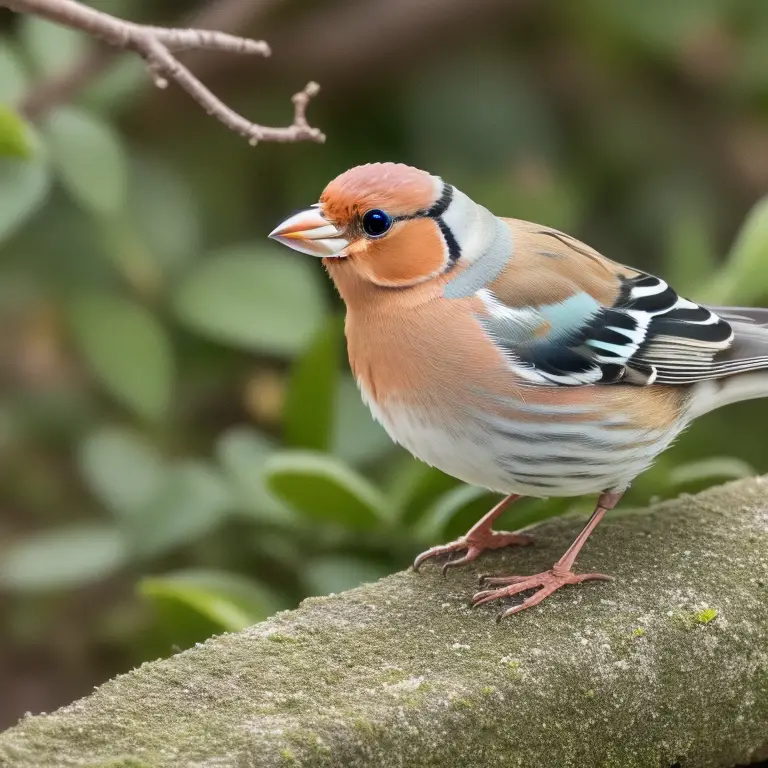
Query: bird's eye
376	223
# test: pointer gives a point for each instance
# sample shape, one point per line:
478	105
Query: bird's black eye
376	223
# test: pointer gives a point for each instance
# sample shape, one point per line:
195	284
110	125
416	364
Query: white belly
532	458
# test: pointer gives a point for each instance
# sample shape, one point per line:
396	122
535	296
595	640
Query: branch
157	45
230	15
665	665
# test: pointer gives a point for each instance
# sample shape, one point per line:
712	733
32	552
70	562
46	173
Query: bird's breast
418	348
443	391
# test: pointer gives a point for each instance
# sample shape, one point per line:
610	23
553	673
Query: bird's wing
565	315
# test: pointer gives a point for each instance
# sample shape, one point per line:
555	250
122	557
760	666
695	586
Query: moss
331	676
391	676
513	668
288	704
275	637
309	742
373	676
415	697
363	725
689	620
705	616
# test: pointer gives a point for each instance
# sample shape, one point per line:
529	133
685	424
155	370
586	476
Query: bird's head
390	224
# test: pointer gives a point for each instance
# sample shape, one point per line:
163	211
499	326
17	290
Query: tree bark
666	665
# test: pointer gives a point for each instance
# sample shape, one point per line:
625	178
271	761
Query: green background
182	448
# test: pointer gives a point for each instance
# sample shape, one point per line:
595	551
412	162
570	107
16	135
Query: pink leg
479	538
558	576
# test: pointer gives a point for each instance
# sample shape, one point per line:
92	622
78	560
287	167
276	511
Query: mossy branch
667	664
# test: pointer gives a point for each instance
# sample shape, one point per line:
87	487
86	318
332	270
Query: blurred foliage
183	448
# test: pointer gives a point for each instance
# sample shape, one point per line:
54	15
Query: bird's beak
310	232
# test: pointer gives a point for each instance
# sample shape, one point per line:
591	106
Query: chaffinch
514	357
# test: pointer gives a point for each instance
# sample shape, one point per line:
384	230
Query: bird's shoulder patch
647	335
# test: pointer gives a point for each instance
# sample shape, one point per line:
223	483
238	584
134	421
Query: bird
514	357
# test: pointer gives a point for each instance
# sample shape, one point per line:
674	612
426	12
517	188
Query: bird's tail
748	359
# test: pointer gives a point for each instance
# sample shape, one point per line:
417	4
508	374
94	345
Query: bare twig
157	45
61	88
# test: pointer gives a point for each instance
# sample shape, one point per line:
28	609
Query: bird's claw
545	584
474	546
472	553
442	550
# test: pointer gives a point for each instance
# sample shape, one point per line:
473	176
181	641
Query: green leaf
690	250
457	510
13	76
63	558
329	575
193	500
311	398
127	349
16	139
695	476
89	159
357	438
744	277
24	185
165	214
468	503
325	489
51	48
528	511
112	91
254	297
123	470
228	601
414	487
242	453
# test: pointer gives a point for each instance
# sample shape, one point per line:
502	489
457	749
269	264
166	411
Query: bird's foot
474	543
545	583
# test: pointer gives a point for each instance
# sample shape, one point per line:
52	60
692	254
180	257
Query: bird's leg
479	538
550	581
